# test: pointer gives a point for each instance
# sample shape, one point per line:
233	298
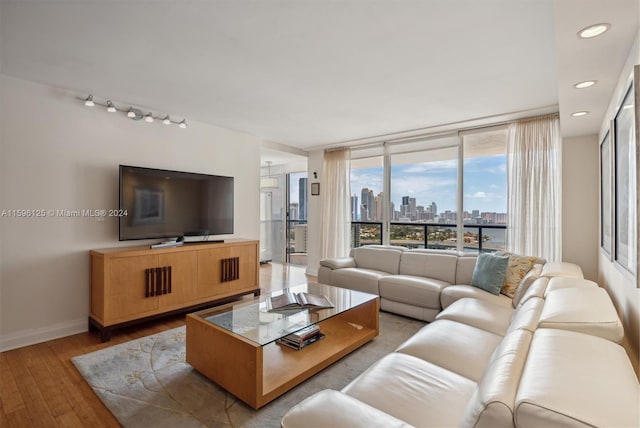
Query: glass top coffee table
235	345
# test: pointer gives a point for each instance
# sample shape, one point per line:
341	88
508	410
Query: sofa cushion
574	379
489	272
357	279
454	292
558	283
429	264
562	269
517	269
464	268
338	263
414	290
536	289
385	259
413	390
527	316
493	401
450	344
480	314
586	310
526	282
329	408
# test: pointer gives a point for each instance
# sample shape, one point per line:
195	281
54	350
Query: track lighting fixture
133	112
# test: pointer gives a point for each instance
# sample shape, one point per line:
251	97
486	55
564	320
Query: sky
485	183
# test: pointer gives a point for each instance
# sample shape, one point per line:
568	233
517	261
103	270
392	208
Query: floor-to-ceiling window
446	193
424	189
485	190
367	200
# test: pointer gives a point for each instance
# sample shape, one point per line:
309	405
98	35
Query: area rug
146	382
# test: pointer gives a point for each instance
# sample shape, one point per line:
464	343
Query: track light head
89	101
166	120
131	113
183	124
148	118
110	107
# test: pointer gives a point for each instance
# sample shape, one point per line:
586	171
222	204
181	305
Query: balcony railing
477	237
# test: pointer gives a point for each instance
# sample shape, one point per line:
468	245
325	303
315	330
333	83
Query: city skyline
485	182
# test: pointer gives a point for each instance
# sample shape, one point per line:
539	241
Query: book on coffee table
301	338
294	301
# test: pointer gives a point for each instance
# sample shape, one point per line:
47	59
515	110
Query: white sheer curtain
533	188
336	204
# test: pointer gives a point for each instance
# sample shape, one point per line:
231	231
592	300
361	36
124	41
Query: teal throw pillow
489	272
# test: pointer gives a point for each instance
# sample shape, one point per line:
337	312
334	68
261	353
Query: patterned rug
146	382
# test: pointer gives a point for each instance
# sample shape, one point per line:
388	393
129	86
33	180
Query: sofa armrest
330	408
338	263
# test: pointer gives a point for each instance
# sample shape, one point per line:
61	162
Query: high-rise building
434	209
412	208
354	208
366	204
379	202
302	198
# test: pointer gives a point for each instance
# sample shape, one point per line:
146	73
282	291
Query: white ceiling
314	73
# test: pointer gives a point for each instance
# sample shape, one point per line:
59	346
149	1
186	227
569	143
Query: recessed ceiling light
585	84
579	113
593	30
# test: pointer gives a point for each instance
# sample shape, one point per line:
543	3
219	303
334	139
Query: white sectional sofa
548	357
482	363
417	283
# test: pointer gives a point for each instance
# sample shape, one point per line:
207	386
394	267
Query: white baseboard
38	335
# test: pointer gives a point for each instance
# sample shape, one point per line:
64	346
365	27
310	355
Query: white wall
58	154
621	286
580	238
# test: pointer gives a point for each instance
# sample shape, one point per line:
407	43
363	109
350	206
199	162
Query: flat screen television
158	203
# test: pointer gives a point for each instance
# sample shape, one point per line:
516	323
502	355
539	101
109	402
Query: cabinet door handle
158	281
147	282
169	279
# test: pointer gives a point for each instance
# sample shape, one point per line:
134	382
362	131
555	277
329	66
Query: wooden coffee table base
258	374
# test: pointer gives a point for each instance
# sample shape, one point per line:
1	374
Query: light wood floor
40	387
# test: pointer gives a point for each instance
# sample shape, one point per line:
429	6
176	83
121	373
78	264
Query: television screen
167	204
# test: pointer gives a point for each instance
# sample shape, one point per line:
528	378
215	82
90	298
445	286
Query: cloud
427	167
